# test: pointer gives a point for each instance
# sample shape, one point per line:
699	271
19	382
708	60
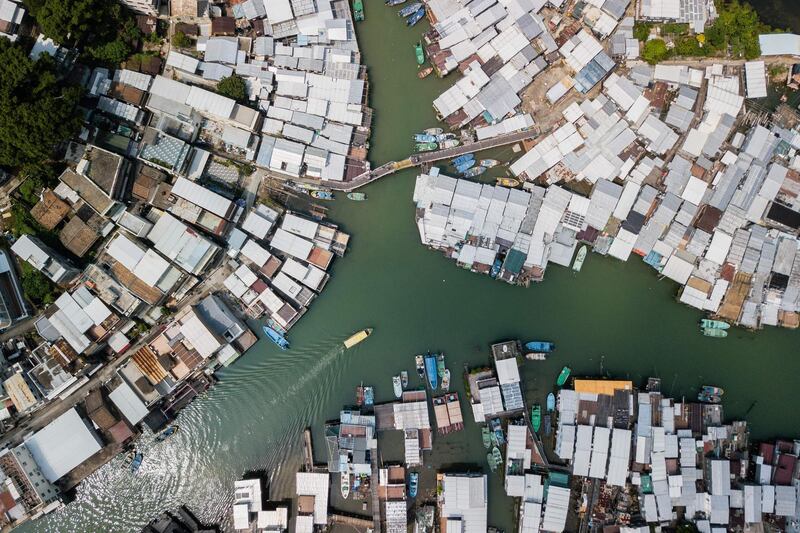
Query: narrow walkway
429	157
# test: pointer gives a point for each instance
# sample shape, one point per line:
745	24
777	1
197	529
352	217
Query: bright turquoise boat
536	417
563	376
551	402
462	159
540	346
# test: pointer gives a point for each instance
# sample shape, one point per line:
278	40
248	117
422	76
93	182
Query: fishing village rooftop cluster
598	453
668	162
164	245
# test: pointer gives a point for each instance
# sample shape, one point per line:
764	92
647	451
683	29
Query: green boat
713	324
357	196
420	53
426	147
491	461
717	333
563	376
358	10
498	457
486	435
536	417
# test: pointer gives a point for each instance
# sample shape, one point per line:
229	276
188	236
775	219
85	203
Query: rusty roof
50	210
78	237
149	364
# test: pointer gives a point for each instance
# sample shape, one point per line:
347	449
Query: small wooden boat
424	73
449	143
276	337
433	131
710	394
579	259
497	428
462	159
397	386
419	360
426	147
536	356
420	52
507	182
486	435
137	462
413	484
357	196
409	9
167	433
489	163
404	379
474	172
321	195
498	456
716	333
424	138
360	395
394	2
540	346
357	337
416	17
491	461
369	395
536	417
446	380
344	484
563	376
714	324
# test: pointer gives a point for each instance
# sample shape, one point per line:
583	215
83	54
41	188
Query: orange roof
601	386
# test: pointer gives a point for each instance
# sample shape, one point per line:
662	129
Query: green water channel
615	318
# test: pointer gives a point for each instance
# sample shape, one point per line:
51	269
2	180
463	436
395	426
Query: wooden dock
429	157
308	451
350	520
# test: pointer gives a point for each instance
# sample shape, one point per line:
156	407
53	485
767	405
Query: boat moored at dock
433	131
563	376
506	182
344	484
536	417
424	138
357	337
356	196
413	484
321	195
489	163
430	370
580	258
419	360
410	9
394	2
426	147
710	394
276	337
540	346
462	159
714	324
369	395
474	172
167	433
397	386
404	379
420	52
416	17
551	402
136	463
536	356
446	380
715	333
424	73
486	436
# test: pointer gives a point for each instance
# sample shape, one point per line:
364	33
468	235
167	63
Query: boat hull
357	337
430	370
276	337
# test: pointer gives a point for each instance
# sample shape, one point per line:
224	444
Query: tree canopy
655	51
77	21
233	87
37	112
736	30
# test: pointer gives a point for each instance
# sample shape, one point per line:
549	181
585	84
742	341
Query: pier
429	157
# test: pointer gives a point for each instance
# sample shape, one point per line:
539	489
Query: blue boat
137	462
540	346
466	165
277	338
413	483
369	396
164	435
462	159
424	138
430	369
497	429
551	402
416	17
410	9
394	2
496	266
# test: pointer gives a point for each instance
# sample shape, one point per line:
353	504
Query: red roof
767	451
784	469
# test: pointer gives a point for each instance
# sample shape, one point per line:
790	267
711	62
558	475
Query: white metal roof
129	404
200	336
756	78
315	484
63	444
202	197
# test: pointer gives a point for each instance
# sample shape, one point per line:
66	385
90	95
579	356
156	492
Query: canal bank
613	317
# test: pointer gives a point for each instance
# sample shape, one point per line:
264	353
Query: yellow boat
357	337
507	182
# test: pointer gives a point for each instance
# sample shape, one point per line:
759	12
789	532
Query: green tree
736	30
112	53
689	46
641	30
180	40
77	21
232	87
655	51
37	288
37	112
